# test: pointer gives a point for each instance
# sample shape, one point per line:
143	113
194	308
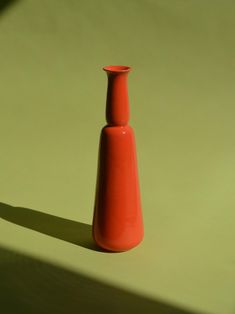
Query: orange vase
117	221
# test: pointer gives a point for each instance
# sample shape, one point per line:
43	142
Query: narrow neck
117	103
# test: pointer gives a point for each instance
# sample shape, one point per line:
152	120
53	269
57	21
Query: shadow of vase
74	232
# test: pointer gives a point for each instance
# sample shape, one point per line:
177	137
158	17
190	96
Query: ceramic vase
117	220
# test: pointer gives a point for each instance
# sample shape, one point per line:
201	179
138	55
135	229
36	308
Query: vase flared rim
117	68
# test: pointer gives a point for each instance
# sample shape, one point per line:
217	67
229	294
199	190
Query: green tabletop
52	105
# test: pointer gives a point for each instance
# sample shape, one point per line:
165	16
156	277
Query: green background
52	104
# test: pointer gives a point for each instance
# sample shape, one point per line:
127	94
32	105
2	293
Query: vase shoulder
118	130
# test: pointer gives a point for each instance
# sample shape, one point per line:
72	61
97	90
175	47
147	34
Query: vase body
117	221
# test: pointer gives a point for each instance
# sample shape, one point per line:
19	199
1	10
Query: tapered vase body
117	220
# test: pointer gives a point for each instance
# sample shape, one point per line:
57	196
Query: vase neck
117	103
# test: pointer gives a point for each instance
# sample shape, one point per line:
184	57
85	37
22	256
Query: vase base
115	247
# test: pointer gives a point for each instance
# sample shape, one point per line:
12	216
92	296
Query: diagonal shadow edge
5	4
33	286
74	232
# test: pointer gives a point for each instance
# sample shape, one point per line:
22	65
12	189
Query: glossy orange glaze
117	221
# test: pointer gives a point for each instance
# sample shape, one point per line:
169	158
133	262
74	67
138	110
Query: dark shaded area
64	229
4	4
32	286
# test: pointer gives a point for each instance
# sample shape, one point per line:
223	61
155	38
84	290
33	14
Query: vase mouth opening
117	68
